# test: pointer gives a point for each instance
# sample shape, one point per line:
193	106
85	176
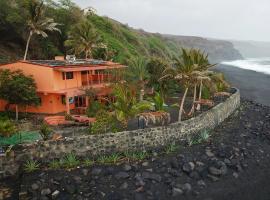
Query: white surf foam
261	65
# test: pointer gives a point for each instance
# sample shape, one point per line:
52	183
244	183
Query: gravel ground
233	164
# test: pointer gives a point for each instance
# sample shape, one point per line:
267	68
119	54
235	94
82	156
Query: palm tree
137	72
155	68
185	72
83	38
201	65
126	105
37	22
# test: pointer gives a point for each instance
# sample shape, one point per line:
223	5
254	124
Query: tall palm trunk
27	45
200	96
194	99
142	92
182	105
17	112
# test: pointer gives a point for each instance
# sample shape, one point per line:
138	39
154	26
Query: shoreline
253	85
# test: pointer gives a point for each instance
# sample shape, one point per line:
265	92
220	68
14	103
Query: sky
222	19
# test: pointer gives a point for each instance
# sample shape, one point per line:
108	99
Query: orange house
60	82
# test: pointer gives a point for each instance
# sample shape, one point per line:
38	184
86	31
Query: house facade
61	83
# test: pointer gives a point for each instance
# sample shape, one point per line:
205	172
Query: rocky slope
218	50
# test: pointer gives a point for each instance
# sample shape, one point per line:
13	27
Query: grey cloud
228	19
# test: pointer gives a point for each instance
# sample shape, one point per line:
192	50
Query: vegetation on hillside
122	42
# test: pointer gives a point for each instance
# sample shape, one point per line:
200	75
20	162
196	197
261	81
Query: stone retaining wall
116	142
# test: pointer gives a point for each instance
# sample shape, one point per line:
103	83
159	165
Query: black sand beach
253	85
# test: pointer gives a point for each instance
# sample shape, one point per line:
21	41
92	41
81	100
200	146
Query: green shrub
54	164
110	159
206	93
221	87
31	166
4	116
140	155
198	138
105	122
45	131
7	128
70	161
94	108
159	102
88	162
171	148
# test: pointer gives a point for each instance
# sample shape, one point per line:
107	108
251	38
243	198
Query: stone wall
91	145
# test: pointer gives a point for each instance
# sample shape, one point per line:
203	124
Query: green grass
54	164
22	137
88	162
109	159
70	161
133	156
171	148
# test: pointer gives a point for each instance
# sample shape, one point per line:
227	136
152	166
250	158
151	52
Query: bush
7	128
105	122
198	138
206	93
45	131
94	108
70	161
31	166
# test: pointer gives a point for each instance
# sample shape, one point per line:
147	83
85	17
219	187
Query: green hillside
123	42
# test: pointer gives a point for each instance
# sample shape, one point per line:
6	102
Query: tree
18	89
184	71
155	68
137	72
83	38
201	65
37	22
126	105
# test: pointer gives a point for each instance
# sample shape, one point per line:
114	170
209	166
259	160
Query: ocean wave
261	65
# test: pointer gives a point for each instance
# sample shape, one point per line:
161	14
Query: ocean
261	65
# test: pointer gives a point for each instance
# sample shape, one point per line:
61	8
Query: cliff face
252	49
218	50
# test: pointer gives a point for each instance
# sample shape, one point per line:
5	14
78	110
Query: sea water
261	65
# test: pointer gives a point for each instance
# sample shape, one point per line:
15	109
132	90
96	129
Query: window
69	75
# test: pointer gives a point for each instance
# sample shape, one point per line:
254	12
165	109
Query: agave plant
159	102
37	22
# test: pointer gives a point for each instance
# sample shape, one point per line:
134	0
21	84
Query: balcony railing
95	79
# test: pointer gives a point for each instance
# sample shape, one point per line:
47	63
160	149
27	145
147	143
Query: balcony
96	79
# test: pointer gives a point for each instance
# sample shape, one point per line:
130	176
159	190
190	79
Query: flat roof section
58	63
